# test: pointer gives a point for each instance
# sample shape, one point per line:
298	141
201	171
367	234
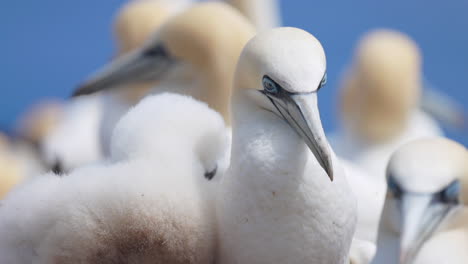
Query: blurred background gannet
194	53
424	219
264	14
285	198
379	110
150	204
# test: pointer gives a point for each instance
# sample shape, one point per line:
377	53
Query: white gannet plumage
425	204
150	204
277	203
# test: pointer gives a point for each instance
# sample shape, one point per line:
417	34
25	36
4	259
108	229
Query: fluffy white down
144	208
75	141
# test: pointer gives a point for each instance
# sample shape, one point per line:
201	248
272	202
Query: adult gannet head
134	24
427	181
382	87
196	48
281	71
10	172
139	19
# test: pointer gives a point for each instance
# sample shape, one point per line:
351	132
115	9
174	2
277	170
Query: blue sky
47	47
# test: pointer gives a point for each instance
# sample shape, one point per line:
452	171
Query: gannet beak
420	218
139	66
301	112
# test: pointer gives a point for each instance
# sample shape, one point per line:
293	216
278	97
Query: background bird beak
301	112
420	218
135	67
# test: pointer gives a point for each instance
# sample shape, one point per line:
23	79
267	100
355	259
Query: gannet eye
156	51
269	85
394	188
450	194
323	82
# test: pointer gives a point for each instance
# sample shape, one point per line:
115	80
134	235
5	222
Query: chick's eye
269	85
450	194
323	82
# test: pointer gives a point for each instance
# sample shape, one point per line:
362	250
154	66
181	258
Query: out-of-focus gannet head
134	24
382	87
137	20
281	71
169	125
427	181
38	122
264	14
194	53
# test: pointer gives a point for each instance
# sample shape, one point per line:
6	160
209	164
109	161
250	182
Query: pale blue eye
269	85
394	187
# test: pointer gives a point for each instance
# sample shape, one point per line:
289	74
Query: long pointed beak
420	218
136	67
301	112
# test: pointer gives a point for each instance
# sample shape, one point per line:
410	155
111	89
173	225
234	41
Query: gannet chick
264	14
285	198
426	204
149	205
194	53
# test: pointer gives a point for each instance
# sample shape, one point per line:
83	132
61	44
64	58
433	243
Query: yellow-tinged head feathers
40	120
383	86
138	20
292	57
10	173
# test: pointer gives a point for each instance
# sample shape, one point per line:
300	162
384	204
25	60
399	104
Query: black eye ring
394	187
450	195
323	82
269	85
156	51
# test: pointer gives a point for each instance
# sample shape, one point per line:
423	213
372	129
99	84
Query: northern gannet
194	53
150	204
285	198
379	113
425	213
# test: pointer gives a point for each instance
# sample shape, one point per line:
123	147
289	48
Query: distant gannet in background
74	141
264	14
425	217
194	53
379	113
134	24
285	198
150	204
10	173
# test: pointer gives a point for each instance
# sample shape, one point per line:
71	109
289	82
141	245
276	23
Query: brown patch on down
132	238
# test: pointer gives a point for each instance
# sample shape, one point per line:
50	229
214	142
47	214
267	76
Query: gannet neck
383	85
281	192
